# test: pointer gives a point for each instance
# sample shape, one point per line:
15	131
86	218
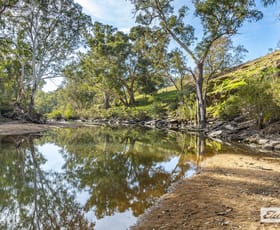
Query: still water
91	178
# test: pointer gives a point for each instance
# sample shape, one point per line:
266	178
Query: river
94	177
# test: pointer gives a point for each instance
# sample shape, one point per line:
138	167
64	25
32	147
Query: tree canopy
218	19
44	35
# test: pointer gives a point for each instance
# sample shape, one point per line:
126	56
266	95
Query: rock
173	125
229	127
239	119
151	123
277	147
252	139
262	141
235	137
218	124
128	122
161	124
268	146
246	124
253	145
215	133
274	143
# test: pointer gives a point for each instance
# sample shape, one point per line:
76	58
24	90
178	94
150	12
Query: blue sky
257	37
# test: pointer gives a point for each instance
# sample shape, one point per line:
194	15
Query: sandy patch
227	194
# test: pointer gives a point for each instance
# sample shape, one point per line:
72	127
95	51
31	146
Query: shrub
230	108
69	113
55	114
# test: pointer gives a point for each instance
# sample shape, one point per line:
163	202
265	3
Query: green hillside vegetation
250	90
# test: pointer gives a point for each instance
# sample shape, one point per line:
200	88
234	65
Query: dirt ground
227	194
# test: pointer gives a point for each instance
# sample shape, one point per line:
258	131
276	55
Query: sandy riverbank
227	194
19	128
22	128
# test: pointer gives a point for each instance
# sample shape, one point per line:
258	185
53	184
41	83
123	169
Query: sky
256	37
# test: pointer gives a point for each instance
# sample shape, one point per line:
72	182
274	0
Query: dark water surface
87	178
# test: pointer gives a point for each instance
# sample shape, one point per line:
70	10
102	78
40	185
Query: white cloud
92	8
125	30
113	12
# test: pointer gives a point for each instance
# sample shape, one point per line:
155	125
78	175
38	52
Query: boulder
252	139
277	147
239	119
274	143
215	133
246	124
217	125
262	141
230	127
268	146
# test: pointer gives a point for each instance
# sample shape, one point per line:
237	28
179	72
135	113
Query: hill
251	89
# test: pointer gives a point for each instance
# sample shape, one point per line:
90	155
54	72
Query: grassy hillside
251	89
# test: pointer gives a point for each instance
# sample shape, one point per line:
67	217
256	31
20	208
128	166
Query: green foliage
46	102
43	37
187	108
120	65
157	110
228	109
55	114
251	90
69	113
275	90
166	97
258	100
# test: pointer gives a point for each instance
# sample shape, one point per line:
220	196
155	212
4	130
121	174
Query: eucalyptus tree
143	64
217	18
176	70
268	2
119	64
52	30
104	65
78	91
99	63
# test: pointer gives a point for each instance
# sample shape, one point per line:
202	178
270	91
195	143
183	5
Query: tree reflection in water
30	197
120	169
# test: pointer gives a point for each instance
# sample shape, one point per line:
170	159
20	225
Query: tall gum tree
99	62
118	64
218	19
147	48
53	30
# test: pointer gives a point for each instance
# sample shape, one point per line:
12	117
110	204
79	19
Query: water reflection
32	198
80	178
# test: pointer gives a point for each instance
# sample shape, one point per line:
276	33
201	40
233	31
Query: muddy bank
227	194
22	128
